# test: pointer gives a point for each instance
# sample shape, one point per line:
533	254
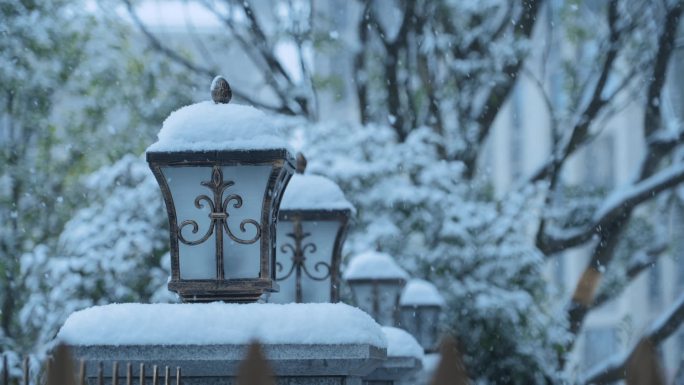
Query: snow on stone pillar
404	359
420	308
304	343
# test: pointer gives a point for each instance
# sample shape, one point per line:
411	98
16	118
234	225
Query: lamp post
222	169
311	229
376	281
420	308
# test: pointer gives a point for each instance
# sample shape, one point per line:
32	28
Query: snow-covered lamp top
419	292
401	344
209	126
314	192
374	265
222	170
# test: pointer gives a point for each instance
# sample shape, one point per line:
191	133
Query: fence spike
129	374
155	375
254	369
178	375
81	373
142	374
167	374
5	371
26	370
62	369
115	373
451	369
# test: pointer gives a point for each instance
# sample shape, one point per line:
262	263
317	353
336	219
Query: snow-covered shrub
114	249
442	227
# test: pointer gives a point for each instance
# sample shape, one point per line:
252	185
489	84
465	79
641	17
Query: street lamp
312	226
420	308
222	169
376	281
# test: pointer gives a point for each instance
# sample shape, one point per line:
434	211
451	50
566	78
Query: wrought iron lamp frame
375	284
299	247
220	288
418	311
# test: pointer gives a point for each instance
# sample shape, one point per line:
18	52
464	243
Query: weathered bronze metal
222	288
219	217
298	249
220	90
298	259
375	295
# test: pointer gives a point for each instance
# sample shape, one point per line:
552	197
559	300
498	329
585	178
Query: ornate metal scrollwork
298	251
219	217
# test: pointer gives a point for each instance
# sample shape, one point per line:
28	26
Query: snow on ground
207	126
421	292
310	192
221	323
374	264
401	344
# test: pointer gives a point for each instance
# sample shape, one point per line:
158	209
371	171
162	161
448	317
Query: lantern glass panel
316	280
389	292
422	322
378	298
241	260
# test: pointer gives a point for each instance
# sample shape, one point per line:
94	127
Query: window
599	344
517	134
654	287
600	163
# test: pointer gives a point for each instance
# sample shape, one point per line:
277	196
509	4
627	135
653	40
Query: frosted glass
199	261
244	260
388	295
323	235
422	323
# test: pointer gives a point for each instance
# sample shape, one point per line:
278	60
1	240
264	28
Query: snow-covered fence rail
60	371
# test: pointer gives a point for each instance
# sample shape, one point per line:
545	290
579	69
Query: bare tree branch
618	210
197	69
614	208
661	329
640	264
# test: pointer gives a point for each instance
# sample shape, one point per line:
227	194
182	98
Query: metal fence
643	368
59	370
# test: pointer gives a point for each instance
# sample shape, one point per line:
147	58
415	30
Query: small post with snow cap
420	308
311	230
376	281
222	169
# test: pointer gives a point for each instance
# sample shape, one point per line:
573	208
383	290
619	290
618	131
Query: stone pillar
305	344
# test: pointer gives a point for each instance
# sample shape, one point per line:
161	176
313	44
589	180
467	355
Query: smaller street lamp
420	308
222	169
376	281
311	229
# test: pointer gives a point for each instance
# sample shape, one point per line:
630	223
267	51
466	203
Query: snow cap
374	265
312	192
195	324
217	125
421	292
401	344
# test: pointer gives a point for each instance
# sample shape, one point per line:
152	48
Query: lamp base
231	291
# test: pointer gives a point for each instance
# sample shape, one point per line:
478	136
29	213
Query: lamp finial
220	90
301	163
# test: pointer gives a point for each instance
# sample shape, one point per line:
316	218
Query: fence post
115	373
129	374
5	371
